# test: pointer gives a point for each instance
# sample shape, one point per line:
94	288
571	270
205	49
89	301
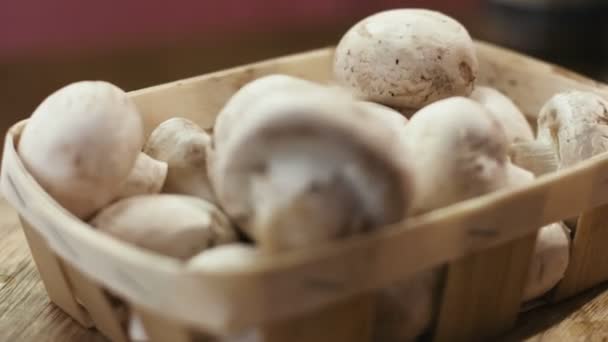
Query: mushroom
225	258
81	143
514	122
461	153
549	260
406	58
183	146
147	177
572	127
405	310
306	166
551	252
177	226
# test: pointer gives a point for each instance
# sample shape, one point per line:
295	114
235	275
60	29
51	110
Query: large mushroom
81	143
307	165
406	58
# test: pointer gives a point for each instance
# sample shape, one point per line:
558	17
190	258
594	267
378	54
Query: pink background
61	26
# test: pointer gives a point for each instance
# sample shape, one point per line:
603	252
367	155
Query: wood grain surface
27	315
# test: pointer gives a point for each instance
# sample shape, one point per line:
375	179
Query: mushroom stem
297	205
536	156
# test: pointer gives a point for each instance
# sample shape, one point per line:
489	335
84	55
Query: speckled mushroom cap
406	58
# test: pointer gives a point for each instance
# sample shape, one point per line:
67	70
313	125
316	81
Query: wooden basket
323	294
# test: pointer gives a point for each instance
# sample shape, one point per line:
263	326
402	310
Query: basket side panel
53	276
160	329
347	320
483	292
589	261
106	318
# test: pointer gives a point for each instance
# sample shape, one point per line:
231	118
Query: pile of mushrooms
293	163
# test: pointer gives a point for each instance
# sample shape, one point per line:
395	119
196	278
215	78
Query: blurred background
47	44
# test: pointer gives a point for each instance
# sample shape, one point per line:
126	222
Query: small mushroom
182	144
549	261
461	153
147	177
81	143
308	166
572	127
514	122
551	252
177	226
406	58
226	258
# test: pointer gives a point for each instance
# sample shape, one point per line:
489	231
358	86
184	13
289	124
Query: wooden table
27	315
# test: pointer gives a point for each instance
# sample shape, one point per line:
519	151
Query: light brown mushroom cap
81	143
173	225
309	166
183	145
503	109
406	58
147	177
461	153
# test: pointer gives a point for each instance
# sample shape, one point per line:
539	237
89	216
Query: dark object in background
572	33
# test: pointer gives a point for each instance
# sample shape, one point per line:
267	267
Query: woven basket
324	293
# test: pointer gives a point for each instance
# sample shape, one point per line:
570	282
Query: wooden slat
348	320
589	258
161	329
53	277
106	318
482	292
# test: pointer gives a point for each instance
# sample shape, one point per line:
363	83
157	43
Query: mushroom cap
319	145
81	143
173	225
183	145
147	177
406	58
239	104
576	124
549	261
230	257
461	152
503	109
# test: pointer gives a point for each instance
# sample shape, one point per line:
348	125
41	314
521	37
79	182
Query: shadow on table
544	318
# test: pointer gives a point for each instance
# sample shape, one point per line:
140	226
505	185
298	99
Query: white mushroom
308	166
572	127
173	225
406	58
549	261
551	252
503	109
183	146
81	143
226	258
461	153
147	177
